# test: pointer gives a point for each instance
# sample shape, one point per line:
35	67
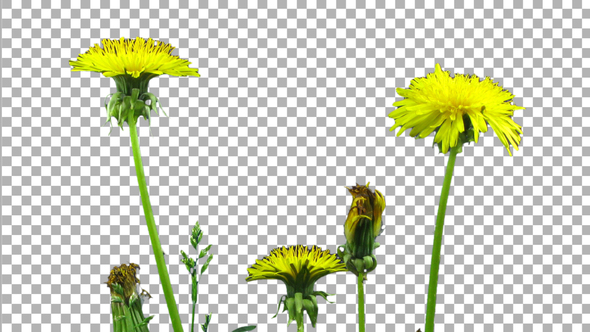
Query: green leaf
245	328
204	251
206	265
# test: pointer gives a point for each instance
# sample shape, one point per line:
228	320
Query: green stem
151	224
193	326
361	302
438	233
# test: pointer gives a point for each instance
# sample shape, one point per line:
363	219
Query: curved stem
438	233
361	302
151	224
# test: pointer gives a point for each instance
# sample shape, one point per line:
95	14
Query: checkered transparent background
292	106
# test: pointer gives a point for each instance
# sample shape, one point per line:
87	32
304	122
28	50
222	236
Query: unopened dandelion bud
363	224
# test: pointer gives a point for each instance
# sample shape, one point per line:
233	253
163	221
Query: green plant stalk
151	224
194	307
361	302
438	233
193	323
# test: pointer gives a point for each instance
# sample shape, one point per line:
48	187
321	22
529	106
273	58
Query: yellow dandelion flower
133	57
299	267
132	63
457	108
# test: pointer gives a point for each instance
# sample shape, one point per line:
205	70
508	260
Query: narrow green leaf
204	251
245	328
206	265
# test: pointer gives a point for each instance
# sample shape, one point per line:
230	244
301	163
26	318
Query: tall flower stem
361	302
151	224
438	233
193	324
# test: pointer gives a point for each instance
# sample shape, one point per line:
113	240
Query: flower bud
362	226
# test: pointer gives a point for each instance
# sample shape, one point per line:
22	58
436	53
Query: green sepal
299	308
206	265
359	264
298	302
204	251
116	299
118	289
138	105
370	263
323	294
115	98
312	310
134	94
129	321
144	322
279	307
290	305
133	298
245	328
155	102
125	104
